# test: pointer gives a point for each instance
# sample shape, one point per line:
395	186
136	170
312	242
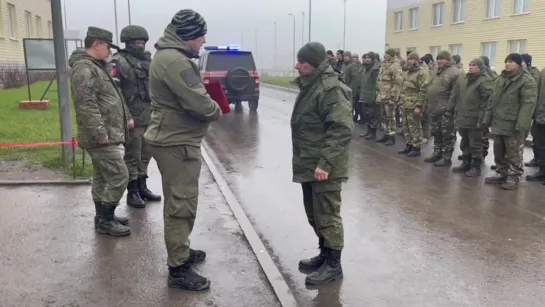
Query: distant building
22	19
469	28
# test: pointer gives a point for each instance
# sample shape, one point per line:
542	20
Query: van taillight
255	75
206	78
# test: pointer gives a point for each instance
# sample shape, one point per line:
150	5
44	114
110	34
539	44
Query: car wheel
253	104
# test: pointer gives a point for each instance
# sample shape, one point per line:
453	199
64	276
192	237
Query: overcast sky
230	21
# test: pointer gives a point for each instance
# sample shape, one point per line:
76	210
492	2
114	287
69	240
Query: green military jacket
415	87
390	79
351	72
539	115
368	82
100	110
490	73
441	87
470	99
133	75
534	72
181	108
512	104
321	125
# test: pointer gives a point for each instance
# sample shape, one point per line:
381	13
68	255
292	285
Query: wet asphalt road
415	235
50	255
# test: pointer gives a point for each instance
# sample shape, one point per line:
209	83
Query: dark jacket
470	99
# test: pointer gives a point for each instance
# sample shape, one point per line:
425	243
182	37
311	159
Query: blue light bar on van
228	48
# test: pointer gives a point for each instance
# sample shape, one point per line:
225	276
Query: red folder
217	93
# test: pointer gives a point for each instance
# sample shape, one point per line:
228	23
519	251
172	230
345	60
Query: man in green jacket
181	113
321	126
470	100
103	127
538	132
509	115
536	74
368	94
132	72
413	95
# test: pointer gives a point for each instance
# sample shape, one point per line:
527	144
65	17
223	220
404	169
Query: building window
398	21
438	10
28	22
12	15
517	46
489	49
458	10
455	49
38	26
50	29
434	51
493	8
413	18
521	6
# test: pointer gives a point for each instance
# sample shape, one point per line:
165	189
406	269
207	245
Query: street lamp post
116	30
302	29
344	31
293	68
309	20
129	9
274	63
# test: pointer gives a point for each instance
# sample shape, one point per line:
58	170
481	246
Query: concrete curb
45	182
275	278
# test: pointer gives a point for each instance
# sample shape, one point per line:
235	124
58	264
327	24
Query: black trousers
538	137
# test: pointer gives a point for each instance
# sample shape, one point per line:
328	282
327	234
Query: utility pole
293	68
344	31
309	20
274	63
116	30
303	29
65	20
62	80
129	8
241	40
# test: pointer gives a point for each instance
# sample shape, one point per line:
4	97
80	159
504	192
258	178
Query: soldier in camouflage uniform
535	73
509	115
470	98
181	114
442	117
132	72
351	78
331	59
368	94
320	157
103	127
340	61
413	95
538	132
390	80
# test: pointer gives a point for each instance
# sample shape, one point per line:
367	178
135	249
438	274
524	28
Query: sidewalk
51	255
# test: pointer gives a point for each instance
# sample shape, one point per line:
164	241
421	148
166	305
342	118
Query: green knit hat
444	55
313	53
478	62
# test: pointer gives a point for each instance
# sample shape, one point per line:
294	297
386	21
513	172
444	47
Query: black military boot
415	152
498	179
98	207
107	224
406	150
330	270
383	139
372	134
314	263
475	170
196	256
183	277
461	157
511	183
133	197
391	140
539	176
144	192
444	162
435	156
464	167
493	167
531	163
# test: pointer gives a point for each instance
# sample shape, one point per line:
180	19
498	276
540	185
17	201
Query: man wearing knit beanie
510	118
439	93
368	94
351	77
535	73
181	114
390	80
320	156
472	98
538	133
340	60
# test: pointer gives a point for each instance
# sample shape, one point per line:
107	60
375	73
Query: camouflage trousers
508	154
412	128
137	153
180	168
387	118
370	114
486	141
472	142
425	123
322	202
444	134
110	175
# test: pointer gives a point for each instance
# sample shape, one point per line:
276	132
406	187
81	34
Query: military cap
391	52
413	56
444	55
313	53
101	34
479	62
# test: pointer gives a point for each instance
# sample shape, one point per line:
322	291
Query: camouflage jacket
539	115
415	87
321	125
133	75
368	83
440	90
100	110
181	109
512	104
390	79
470	99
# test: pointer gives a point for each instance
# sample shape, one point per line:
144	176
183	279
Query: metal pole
65	20
293	67
255	41
344	31
129	8
303	29
116	30
309	20
274	64
62	80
